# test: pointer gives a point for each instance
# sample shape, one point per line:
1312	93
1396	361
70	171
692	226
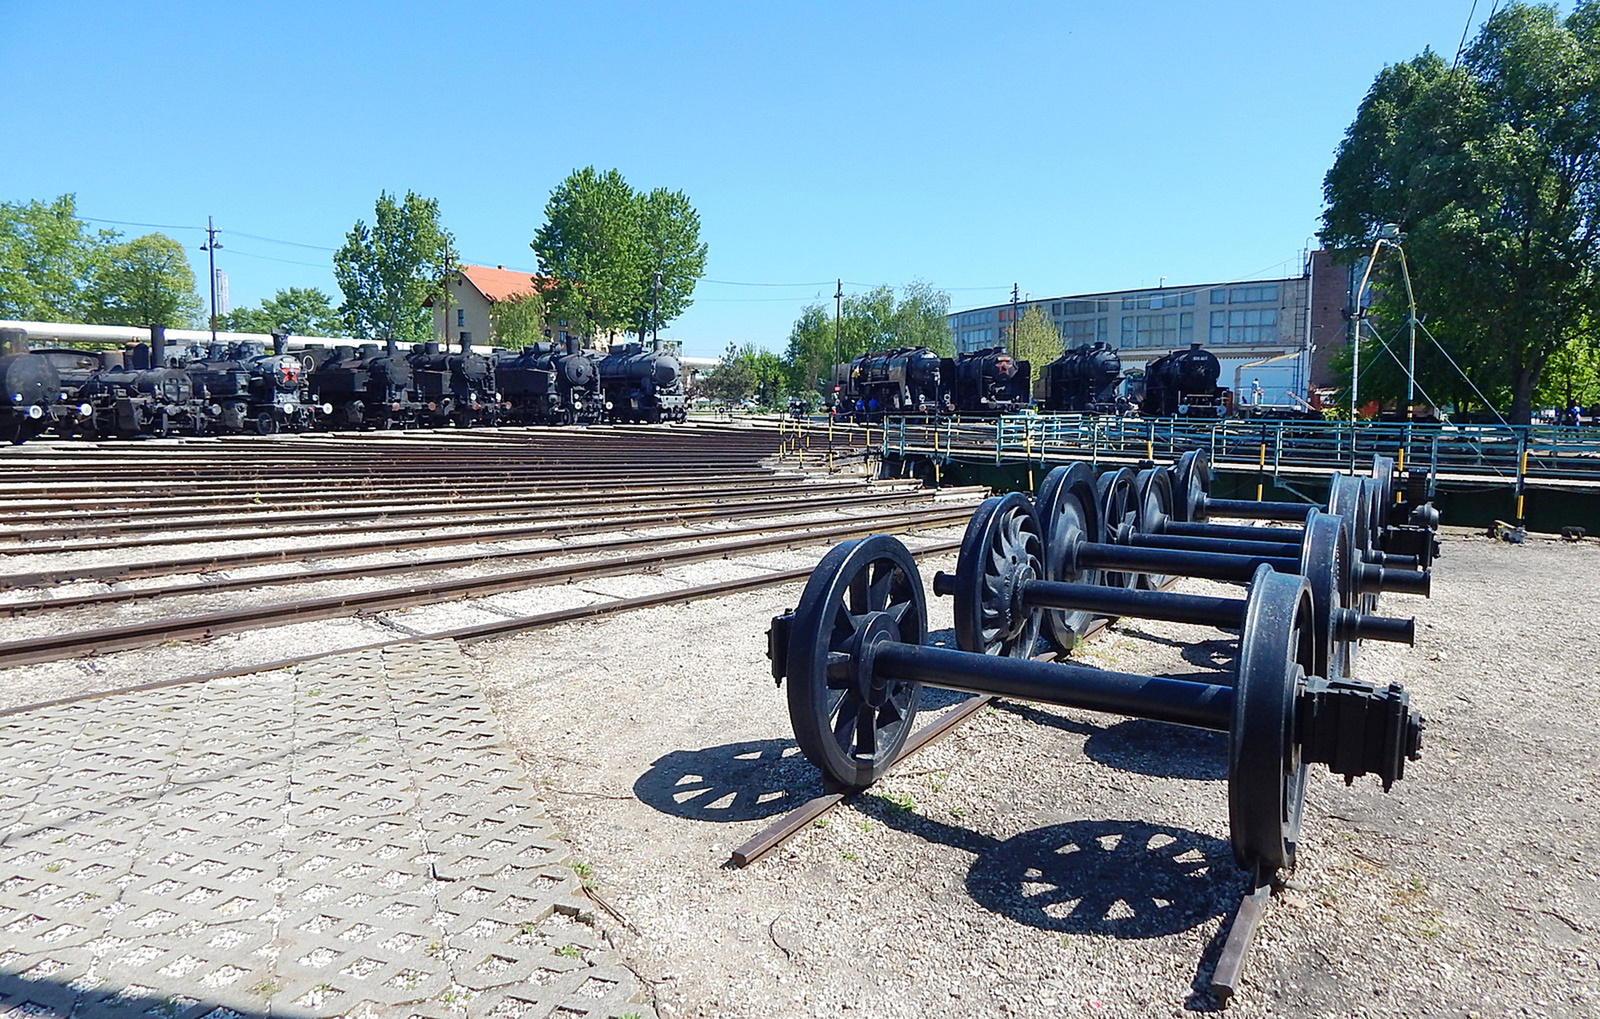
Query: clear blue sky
1066	147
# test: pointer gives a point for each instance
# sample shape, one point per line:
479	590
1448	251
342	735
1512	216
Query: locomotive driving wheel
1113	492
846	723
1152	503
1002	549
1191	484
1266	775
1068	516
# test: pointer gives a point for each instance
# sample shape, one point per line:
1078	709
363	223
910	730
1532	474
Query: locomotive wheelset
854	653
242	387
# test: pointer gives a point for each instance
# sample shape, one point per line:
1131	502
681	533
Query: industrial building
1281	330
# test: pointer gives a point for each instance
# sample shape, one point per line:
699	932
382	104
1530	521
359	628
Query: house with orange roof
465	318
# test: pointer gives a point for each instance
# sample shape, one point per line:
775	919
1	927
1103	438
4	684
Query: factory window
1149	330
1084	307
1253	295
1219	295
461	317
1259	325
1186	327
1079	331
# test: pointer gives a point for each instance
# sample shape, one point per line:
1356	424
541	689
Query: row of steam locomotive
228	388
1084	380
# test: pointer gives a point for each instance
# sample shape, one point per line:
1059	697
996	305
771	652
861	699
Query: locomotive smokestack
466	342
13	341
280	343
572	344
391	347
158	346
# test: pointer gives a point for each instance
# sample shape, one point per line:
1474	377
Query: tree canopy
518	322
1492	171
390	270
48	256
875	320
303	311
143	282
1036	339
606	245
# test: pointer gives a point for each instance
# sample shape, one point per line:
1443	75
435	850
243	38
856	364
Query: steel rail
544	529
57	646
603	512
50	509
365	509
922	517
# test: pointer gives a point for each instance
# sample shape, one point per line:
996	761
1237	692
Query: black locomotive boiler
1184	383
642	385
369	386
250	388
455	388
30	387
987	381
550	384
905	380
1083	380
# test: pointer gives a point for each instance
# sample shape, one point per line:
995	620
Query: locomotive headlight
84	410
36	412
610	405
327	408
577	404
291	408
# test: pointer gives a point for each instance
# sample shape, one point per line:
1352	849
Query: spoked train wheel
1004	545
1113	492
1266	776
847	724
1068	516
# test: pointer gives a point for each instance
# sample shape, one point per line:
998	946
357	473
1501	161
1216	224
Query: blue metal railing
1504	454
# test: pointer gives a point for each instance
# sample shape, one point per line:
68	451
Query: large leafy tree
304	311
143	282
617	256
47	258
732	381
390	270
518	322
1492	169
1036	339
874	320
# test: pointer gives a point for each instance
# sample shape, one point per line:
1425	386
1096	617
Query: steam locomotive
915	380
250	388
641	385
365	386
549	384
1184	383
30	387
1083	381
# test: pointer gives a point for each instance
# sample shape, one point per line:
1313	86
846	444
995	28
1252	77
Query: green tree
1493	172
874	320
303	311
518	322
674	258
1036	339
1572	373
604	244
143	282
389	270
732	381
47	258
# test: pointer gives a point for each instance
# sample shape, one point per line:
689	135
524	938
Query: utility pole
444	285
838	311
210	248
655	311
1013	344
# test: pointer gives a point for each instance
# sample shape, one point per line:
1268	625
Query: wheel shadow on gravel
1217	655
1113	878
744	781
1141	746
732	782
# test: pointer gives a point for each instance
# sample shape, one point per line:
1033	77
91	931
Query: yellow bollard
1400	465
1262	465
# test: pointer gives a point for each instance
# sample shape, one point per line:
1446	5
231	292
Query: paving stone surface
351	838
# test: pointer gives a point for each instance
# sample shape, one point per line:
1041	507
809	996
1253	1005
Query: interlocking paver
353	839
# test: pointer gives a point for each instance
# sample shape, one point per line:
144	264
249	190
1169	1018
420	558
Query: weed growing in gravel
957	812
848	857
53	867
821	822
315	691
570	951
585	875
900	801
866	826
455	997
266	988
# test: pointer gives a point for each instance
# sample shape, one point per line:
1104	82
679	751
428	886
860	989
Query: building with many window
1243	323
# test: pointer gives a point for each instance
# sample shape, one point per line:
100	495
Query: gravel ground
1044	862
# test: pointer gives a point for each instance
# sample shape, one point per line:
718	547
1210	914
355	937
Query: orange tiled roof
504	284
